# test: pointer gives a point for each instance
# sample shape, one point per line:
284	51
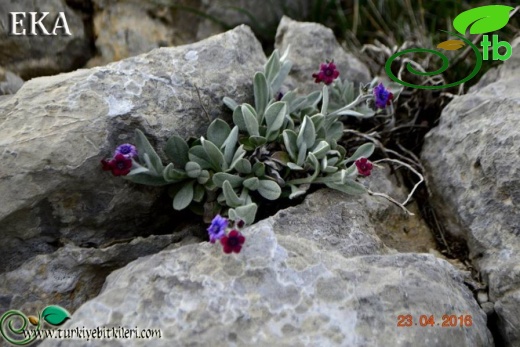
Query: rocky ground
333	270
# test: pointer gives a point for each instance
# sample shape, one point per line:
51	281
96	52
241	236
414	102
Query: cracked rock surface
471	160
55	130
316	274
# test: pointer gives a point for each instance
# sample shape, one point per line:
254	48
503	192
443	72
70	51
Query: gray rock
9	82
310	45
262	16
124	28
31	56
471	163
56	130
357	225
72	275
283	290
128	28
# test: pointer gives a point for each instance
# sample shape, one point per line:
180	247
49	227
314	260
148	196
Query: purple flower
327	73
364	166
233	242
217	228
127	150
383	97
119	165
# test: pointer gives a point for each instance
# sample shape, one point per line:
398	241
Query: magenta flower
233	242
327	73
364	166
119	165
383	97
127	150
217	228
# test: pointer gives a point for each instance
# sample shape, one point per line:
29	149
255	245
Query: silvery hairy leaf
218	132
243	166
198	193
203	177
290	142
364	151
321	149
192	169
295	191
252	183
349	187
144	147
325	100
184	197
220	177
239	154
173	175
229	145
272	67
215	156
238	119
245	213
259	169
232	199
251	121
198	155
176	150
275	115
269	189
230	103
277	82
307	134
261	93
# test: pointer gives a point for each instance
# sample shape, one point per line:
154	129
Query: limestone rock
471	160
128	28
283	290
9	82
357	225
31	56
262	16
55	131
310	45
72	275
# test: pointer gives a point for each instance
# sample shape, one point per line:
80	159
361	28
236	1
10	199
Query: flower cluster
121	163
382	97
231	242
276	148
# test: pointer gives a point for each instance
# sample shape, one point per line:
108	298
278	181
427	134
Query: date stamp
447	321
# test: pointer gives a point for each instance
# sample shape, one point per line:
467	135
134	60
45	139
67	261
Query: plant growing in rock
275	148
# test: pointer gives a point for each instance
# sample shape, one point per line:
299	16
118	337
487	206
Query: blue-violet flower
128	150
383	97
217	228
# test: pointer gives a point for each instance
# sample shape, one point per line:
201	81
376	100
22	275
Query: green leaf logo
482	19
55	315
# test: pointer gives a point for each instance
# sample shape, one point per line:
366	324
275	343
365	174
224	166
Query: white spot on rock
118	107
191	56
